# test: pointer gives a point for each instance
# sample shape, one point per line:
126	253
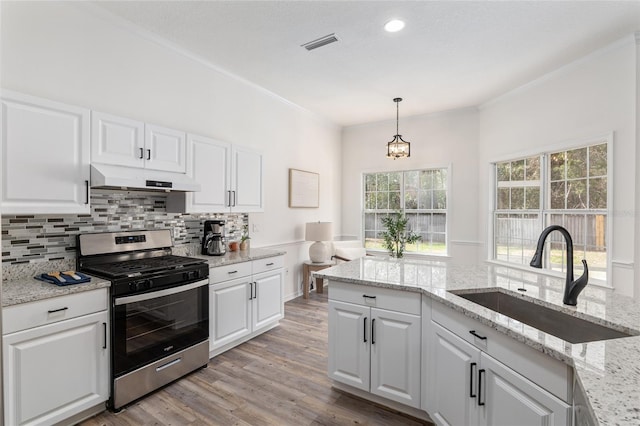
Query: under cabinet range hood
108	176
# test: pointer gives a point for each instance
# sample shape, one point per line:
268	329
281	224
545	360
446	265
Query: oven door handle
155	294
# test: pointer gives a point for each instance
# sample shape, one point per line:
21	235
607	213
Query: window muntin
420	194
570	190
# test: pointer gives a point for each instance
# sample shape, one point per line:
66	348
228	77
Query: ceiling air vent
322	41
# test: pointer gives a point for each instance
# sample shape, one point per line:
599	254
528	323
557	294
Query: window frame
545	211
447	210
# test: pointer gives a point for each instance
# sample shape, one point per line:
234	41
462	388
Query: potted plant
244	244
397	236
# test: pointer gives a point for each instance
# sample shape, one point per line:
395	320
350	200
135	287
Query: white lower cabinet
267	303
55	371
373	348
469	387
452	378
244	304
230	310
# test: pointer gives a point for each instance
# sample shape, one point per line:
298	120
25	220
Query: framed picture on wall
304	189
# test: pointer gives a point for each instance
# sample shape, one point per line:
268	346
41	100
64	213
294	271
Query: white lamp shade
319	231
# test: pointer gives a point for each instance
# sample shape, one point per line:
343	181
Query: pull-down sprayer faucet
571	288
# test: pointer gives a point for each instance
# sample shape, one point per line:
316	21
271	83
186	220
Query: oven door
149	326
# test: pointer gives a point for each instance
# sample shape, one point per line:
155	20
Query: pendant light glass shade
398	147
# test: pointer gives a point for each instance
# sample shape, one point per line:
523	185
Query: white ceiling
450	55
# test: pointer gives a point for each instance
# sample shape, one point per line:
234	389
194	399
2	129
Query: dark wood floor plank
278	378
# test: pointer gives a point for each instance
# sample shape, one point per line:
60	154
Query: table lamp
318	232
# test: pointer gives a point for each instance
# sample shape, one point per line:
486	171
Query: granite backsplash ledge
33	244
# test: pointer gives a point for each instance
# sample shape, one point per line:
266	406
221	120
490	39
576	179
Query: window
420	194
567	188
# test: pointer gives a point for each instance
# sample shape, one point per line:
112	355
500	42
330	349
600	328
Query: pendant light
398	147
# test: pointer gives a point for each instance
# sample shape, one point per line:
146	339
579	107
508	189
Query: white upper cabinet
45	156
165	149
124	142
246	181
117	140
208	164
230	178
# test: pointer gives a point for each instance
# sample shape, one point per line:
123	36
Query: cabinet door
117	140
45	159
511	399
208	164
55	371
453	371
349	344
246	180
165	149
395	356
268	304
229	310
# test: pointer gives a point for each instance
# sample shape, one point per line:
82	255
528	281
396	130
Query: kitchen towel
68	279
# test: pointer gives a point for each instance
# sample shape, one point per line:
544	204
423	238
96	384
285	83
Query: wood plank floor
278	378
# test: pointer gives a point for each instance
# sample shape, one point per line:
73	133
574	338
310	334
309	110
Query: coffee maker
214	241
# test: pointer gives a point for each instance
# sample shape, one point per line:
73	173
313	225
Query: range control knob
191	275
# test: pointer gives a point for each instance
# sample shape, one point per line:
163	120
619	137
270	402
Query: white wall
593	96
437	140
73	53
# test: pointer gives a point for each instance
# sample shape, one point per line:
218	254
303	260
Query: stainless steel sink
559	324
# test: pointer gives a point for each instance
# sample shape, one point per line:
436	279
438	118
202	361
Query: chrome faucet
571	288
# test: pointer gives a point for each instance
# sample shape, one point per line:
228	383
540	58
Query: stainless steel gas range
159	309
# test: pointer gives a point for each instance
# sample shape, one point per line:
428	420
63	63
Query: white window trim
448	168
566	145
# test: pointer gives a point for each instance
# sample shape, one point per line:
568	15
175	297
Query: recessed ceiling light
394	25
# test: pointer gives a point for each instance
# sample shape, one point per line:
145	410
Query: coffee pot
214	241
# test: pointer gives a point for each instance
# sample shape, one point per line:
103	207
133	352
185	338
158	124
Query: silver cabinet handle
169	364
160	293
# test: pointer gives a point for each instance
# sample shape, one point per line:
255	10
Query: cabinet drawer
267	264
34	314
377	297
229	272
551	374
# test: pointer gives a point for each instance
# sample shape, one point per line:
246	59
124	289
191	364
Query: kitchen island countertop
607	371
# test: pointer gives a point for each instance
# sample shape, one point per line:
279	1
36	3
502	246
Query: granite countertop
21	287
608	371
24	290
238	256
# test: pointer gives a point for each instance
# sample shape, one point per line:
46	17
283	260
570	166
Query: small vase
244	245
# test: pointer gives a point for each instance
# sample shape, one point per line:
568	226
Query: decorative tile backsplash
39	238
